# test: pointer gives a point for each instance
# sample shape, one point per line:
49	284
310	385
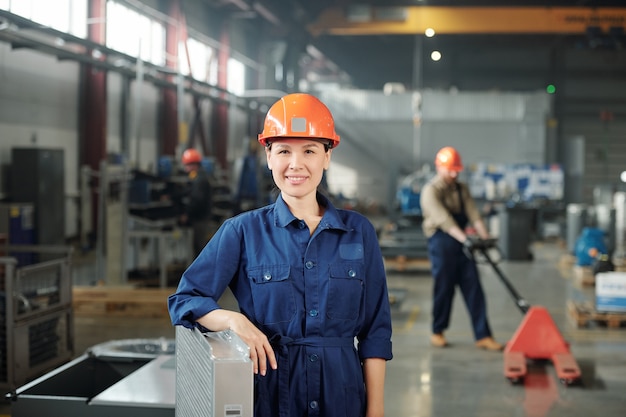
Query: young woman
308	277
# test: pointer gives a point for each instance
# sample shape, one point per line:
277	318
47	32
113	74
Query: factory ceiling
375	42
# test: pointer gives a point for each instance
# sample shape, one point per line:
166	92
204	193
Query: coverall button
313	404
308	264
313	358
352	273
267	276
313	313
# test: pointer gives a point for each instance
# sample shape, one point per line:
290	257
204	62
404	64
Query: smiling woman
308	277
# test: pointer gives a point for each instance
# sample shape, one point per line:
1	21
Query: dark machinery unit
516	228
37	177
36	319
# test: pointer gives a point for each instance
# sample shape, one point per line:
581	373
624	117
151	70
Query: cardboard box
611	291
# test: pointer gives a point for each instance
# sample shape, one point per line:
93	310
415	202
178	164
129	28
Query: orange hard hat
299	115
191	156
449	158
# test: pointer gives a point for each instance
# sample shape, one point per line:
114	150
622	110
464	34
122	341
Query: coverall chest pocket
345	291
272	293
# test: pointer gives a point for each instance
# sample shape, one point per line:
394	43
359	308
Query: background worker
448	209
309	280
197	199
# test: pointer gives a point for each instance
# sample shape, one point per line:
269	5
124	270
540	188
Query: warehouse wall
386	137
142	122
377	141
38	108
496	127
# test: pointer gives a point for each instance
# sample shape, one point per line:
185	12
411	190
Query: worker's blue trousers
451	267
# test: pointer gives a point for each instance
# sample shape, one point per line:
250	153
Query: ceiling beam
413	20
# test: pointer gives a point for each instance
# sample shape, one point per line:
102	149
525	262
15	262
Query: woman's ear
327	158
268	154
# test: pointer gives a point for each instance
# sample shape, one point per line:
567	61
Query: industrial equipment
404	236
537	337
121	378
198	374
38	178
213	374
139	234
36	317
17	225
589	245
409	191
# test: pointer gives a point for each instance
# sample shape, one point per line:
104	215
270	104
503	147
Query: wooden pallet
567	261
583	313
103	301
402	263
583	276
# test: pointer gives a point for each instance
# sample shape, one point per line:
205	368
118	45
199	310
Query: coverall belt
281	345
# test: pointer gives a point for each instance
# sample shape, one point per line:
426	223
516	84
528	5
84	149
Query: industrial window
135	34
69	16
202	59
236	77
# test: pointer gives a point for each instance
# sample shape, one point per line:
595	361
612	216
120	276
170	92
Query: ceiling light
435	55
429	32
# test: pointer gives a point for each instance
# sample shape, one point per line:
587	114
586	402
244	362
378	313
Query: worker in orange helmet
309	280
447	210
197	199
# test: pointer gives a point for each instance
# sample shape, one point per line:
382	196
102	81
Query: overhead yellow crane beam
467	20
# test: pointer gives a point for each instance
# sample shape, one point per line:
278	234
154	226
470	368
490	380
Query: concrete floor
460	380
424	381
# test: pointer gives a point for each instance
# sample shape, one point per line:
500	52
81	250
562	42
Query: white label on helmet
298	124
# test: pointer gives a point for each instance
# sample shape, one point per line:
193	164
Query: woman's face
297	165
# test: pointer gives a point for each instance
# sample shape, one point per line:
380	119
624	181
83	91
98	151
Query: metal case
213	375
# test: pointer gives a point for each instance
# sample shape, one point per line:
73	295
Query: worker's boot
438	340
488	343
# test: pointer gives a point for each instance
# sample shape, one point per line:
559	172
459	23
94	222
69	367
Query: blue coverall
322	301
451	267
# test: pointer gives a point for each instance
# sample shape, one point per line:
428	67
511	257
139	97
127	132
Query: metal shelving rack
36	318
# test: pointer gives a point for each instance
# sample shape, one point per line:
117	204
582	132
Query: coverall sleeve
375	336
206	279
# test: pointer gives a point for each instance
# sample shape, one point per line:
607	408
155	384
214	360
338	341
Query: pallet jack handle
537	337
483	247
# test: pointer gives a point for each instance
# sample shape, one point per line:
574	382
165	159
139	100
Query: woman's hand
261	352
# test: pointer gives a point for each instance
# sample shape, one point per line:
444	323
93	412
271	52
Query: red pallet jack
536	338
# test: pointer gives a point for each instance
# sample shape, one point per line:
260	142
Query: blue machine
589	246
409	191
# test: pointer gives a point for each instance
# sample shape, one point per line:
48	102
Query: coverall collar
330	220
